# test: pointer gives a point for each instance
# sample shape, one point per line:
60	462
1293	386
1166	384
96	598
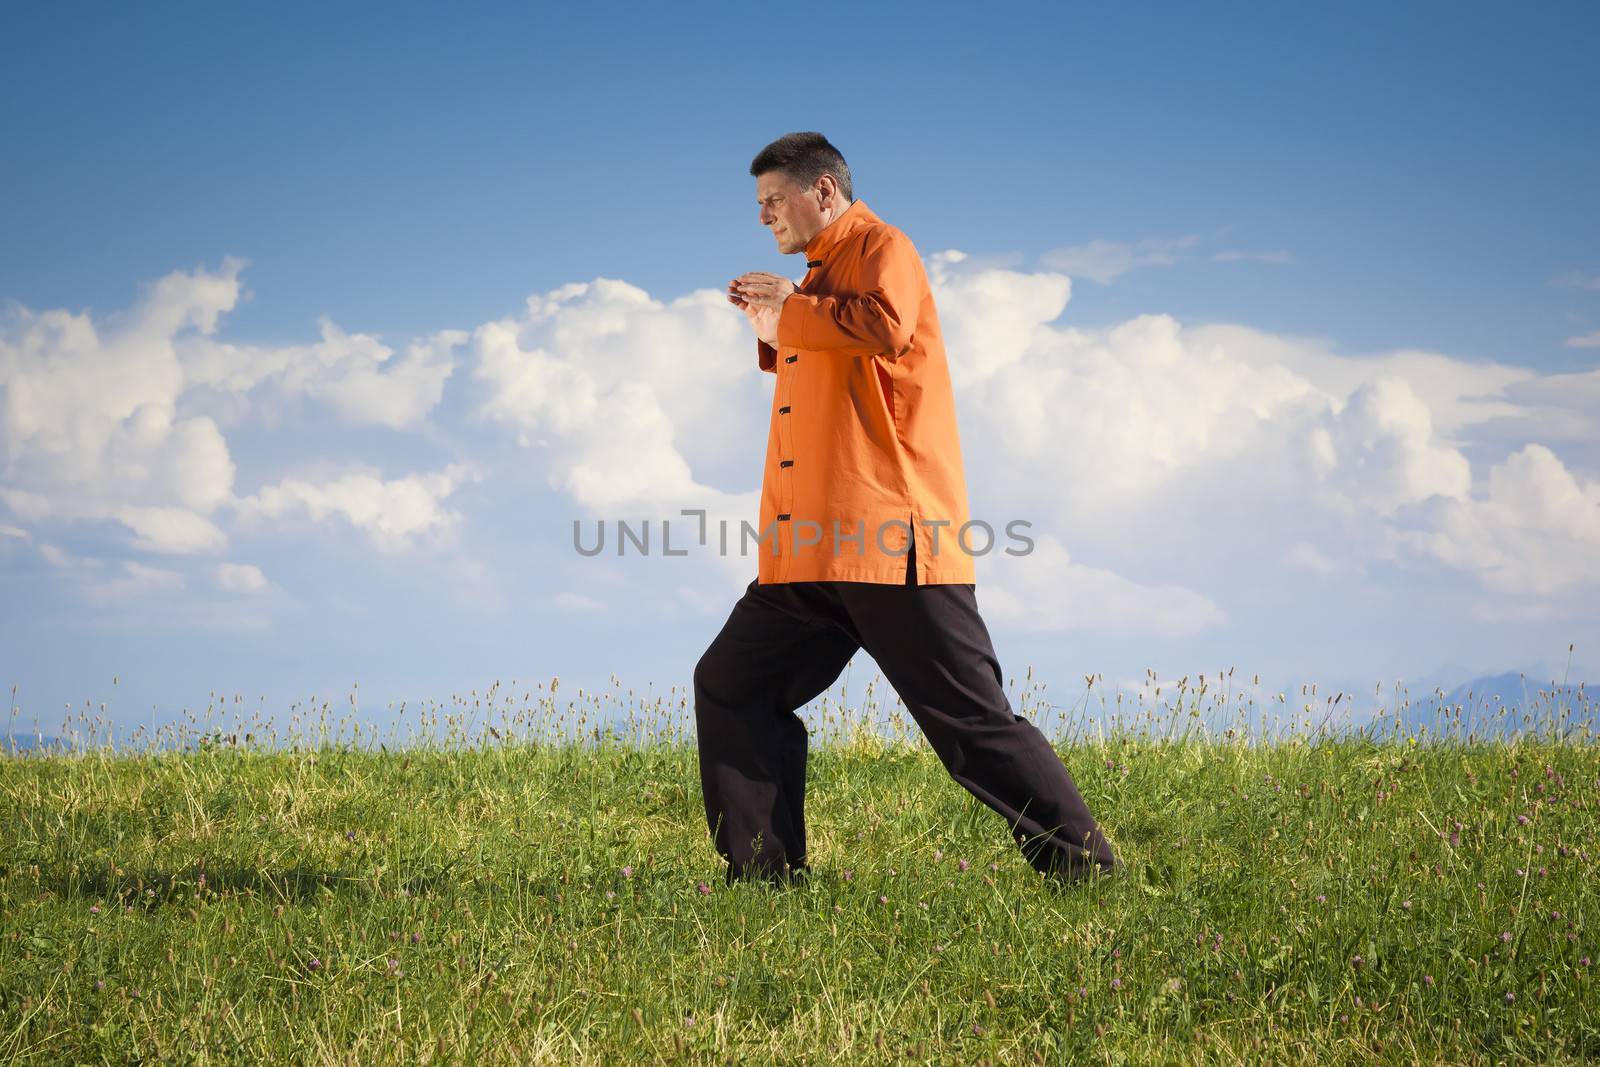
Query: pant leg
933	647
772	656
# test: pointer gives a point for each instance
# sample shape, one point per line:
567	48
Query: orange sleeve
879	317
766	356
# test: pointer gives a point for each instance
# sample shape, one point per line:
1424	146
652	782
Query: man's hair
804	157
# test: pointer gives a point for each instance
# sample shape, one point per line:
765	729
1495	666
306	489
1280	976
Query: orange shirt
862	451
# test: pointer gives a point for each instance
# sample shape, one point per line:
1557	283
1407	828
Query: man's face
792	212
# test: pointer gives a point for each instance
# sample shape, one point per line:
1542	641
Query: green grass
531	901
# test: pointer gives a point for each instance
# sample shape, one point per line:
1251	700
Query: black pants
784	643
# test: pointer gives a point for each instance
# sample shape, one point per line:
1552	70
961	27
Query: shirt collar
851	219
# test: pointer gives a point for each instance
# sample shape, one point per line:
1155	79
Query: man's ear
828	187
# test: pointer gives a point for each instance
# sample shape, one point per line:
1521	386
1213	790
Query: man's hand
756	294
760	287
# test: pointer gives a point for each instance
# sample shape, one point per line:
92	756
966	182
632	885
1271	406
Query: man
861	543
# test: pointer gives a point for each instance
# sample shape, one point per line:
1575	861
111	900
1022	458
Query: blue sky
1369	234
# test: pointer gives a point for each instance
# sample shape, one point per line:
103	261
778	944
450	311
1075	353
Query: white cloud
395	513
1133	443
355	375
240	578
88	423
1536	531
989	315
1148	435
1045	590
1384	451
91	422
171	530
1588	340
1102	261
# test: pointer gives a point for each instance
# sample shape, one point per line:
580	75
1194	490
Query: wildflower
415	937
610	895
1427	979
937	855
94	909
1505	935
99	983
848	874
1355	961
627	872
882	899
994	866
1543	872
1522	820
1584	962
977	1030
1322	898
688	1020
1455	839
313	964
1555	915
1406	904
962	865
705	890
349	835
1116	983
1510	997
1116	953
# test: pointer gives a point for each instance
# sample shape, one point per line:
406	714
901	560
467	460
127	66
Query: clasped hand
760	295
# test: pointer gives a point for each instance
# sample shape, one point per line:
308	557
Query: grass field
1319	898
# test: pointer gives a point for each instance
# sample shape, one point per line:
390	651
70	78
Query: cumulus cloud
634	406
395	513
1535	531
98	422
355	375
1133	444
1116	435
88	416
1587	340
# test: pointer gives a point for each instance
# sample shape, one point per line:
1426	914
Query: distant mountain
1499	705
